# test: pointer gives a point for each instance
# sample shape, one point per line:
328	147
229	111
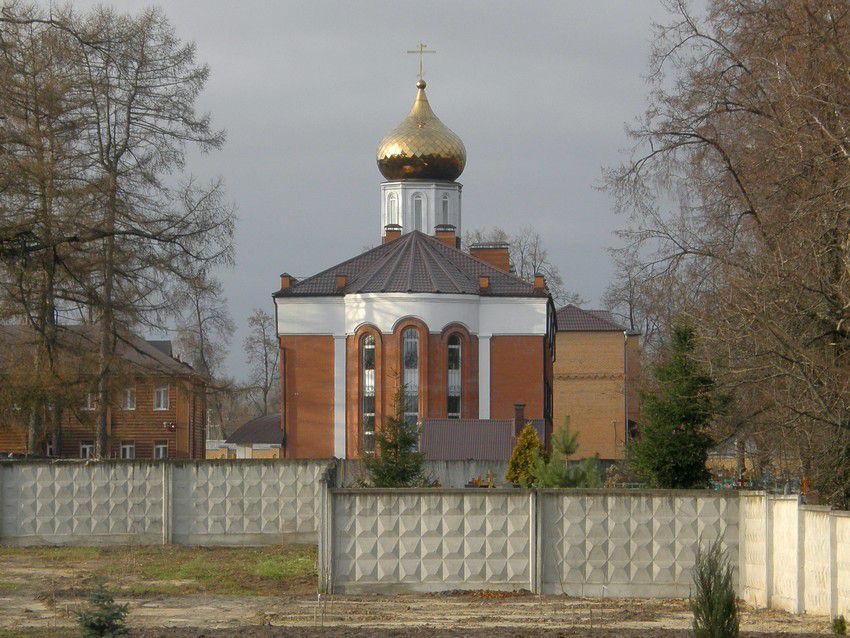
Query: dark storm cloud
537	91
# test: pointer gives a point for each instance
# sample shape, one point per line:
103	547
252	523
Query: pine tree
557	471
672	445
105	617
528	447
396	462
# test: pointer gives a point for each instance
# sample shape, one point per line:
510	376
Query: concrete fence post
325	533
833	566
167	509
800	603
768	551
534	545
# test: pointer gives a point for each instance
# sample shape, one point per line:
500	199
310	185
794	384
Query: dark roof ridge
413	263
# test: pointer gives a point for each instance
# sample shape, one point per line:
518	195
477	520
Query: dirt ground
41	589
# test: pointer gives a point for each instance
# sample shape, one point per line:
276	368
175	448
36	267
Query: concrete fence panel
640	544
786	540
82	504
753	560
223	502
235	502
818	564
430	540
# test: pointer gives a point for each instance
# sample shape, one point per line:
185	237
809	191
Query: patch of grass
63	555
9	586
172	570
286	567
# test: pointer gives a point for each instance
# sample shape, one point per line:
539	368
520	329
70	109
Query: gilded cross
421	50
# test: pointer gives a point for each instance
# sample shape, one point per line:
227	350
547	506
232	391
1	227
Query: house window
90	402
130	398
160	450
128	450
454	376
444	210
160	398
410	360
86	449
392	209
367	409
418	212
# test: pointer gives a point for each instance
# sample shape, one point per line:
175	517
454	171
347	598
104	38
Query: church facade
463	336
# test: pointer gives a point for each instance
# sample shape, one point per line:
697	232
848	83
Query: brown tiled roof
571	318
413	263
476	439
263	429
147	356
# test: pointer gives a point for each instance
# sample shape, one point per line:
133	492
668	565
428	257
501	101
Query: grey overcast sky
539	92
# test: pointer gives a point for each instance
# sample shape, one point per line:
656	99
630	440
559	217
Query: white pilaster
484	377
339	396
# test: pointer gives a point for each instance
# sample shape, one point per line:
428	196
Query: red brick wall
309	398
516	375
143	426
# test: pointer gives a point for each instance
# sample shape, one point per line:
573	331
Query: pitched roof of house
476	439
571	318
148	356
263	429
415	262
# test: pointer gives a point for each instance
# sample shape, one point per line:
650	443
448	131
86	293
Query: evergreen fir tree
528	447
104	617
396	462
557	471
672	444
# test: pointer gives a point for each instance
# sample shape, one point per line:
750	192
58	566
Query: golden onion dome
421	147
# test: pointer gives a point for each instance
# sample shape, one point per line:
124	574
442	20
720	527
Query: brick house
595	381
158	406
465	337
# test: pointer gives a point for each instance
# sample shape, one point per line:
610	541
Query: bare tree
739	187
528	258
144	224
261	353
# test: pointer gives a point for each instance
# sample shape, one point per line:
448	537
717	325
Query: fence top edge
159	462
525	492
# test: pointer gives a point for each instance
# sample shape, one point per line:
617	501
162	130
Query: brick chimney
483	284
539	282
287	281
447	234
391	231
519	418
494	253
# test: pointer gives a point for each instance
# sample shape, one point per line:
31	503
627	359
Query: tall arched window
392	209
454	377
410	378
418	212
444	210
367	406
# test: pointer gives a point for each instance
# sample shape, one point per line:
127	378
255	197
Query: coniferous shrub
839	625
527	448
556	471
396	462
713	602
104	617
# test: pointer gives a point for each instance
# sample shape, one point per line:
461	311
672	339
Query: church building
466	338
